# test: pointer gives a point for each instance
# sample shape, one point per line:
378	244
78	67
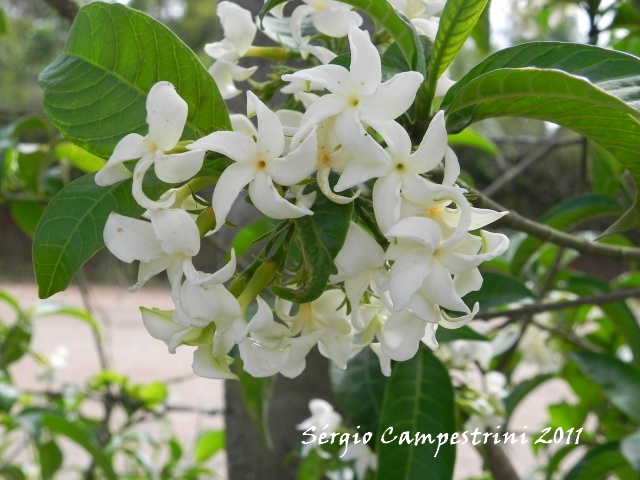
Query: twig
84	293
530	140
517	222
551	307
519	168
66	8
569	337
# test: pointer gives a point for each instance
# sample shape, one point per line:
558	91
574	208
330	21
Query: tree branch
551	307
543	232
66	8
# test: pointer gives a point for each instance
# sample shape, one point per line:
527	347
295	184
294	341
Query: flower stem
261	279
277	54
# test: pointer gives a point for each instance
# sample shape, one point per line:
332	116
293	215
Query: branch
516	221
551	307
66	8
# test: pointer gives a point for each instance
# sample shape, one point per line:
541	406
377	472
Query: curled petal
325	107
470	281
131	239
334	78
267	199
452	323
385	361
429	338
387	201
397	139
401	336
433	146
300	347
232	180
221	276
147	270
421	230
238	26
323	182
179	167
129	148
298	165
166	115
439	288
138	193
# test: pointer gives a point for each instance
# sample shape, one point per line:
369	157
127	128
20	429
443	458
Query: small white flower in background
488	406
166	117
323	419
239	33
259	163
55	362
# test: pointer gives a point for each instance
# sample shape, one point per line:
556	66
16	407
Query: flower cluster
393	286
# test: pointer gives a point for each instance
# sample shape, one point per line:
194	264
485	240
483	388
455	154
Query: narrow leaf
418	400
95	92
597	463
498	289
458	20
630	448
209	443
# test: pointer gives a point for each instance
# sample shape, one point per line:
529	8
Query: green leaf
78	433
597	463
398	26
50	457
457	21
472	138
359	390
630	449
604	171
9	393
613	72
247	235
619	381
481	33
419	400
619	313
569	214
14	343
95	92
79	157
26	215
70	230
152	394
319	238
209	443
628	221
499	289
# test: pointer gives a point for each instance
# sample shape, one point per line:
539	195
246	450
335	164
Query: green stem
261	279
277	54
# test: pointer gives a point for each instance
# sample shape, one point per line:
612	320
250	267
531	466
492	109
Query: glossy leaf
444	335
522	390
616	73
619	381
418	399
498	289
70	230
319	238
566	216
14	342
50	457
472	138
359	390
457	21
95	92
26	215
398	26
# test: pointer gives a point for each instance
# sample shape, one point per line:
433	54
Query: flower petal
408	274
387	201
233	179
392	98
221	276
268	200
423	231
439	288
365	68
131	239
433	146
179	167
177	232
166	115
334	21
238	26
237	146
270	142
401	336
262	361
208	366
298	165
334	78
130	147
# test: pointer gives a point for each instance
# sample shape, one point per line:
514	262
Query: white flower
405	167
357	96
239	33
323	419
168	242
259	164
329	17
270	348
357	262
326	315
166	117
421	276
